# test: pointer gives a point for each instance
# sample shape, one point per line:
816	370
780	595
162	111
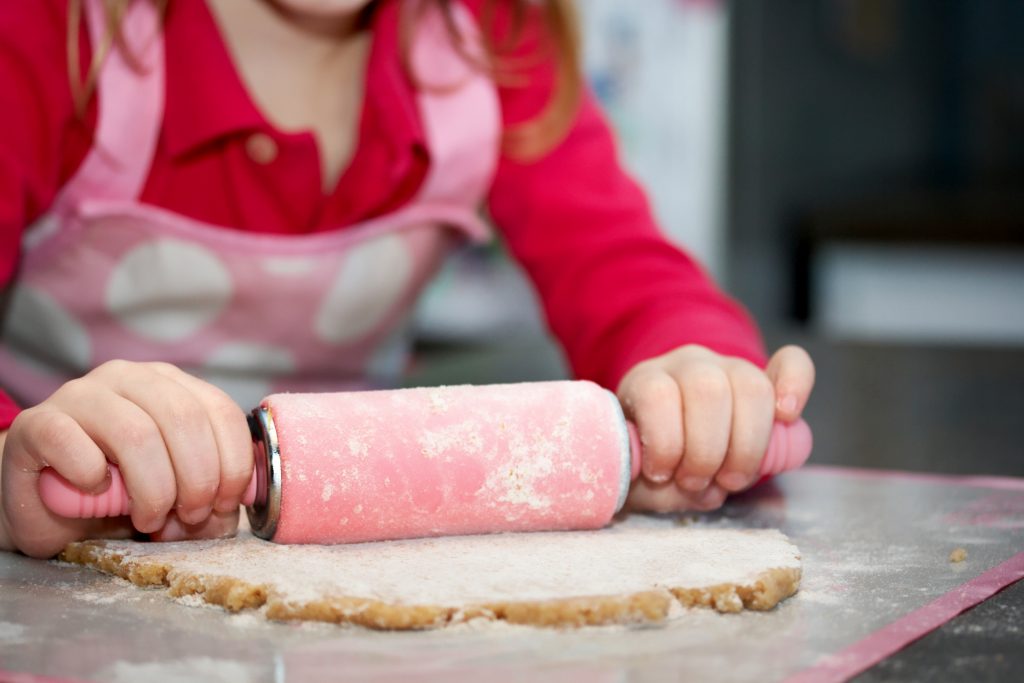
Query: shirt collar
207	101
390	95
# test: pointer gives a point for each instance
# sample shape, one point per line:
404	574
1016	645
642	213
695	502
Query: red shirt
613	289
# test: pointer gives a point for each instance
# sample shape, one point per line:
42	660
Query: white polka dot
167	290
36	322
287	266
251	357
373	278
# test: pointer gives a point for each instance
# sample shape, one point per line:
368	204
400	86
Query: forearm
614	290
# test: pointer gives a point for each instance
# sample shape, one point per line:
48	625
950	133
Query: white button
261	148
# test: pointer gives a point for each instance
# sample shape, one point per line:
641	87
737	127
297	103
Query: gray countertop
875	548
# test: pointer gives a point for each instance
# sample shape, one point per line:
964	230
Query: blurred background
853	172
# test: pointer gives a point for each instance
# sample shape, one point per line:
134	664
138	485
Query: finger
791	371
652	400
41	438
187	436
707	415
667	497
51	438
130	438
753	412
711	498
216	525
230	432
32	528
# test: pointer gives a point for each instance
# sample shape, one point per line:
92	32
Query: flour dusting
11	632
182	671
468	570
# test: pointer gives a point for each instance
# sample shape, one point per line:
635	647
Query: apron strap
461	116
130	101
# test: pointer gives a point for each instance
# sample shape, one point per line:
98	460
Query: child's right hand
182	445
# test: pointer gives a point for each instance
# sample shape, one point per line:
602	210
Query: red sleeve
41	140
614	290
8	411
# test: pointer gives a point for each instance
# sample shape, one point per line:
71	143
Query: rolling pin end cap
635	451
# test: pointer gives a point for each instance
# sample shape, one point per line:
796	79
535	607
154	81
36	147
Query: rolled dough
626	573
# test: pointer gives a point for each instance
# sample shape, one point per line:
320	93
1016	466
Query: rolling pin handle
788	448
63	498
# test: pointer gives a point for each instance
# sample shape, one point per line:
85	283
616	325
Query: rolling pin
405	463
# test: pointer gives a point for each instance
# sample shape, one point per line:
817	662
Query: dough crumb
958	555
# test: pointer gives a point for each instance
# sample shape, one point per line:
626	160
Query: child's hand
182	445
705	422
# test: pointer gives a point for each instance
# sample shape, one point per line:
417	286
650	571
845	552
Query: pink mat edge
979	481
876	646
25	677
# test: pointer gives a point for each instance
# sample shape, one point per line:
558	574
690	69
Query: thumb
791	371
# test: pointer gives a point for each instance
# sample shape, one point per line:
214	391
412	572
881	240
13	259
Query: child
247	196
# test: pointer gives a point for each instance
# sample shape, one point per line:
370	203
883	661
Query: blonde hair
532	138
525	141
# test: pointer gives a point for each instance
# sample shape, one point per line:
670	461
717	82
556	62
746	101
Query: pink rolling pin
378	465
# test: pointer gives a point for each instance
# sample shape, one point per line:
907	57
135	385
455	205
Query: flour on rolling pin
378	465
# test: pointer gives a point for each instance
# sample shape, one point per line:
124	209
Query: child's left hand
705	421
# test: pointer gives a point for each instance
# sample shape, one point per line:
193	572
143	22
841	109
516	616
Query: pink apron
104	276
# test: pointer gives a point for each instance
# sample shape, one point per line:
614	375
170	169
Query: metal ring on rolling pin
626	465
266	509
